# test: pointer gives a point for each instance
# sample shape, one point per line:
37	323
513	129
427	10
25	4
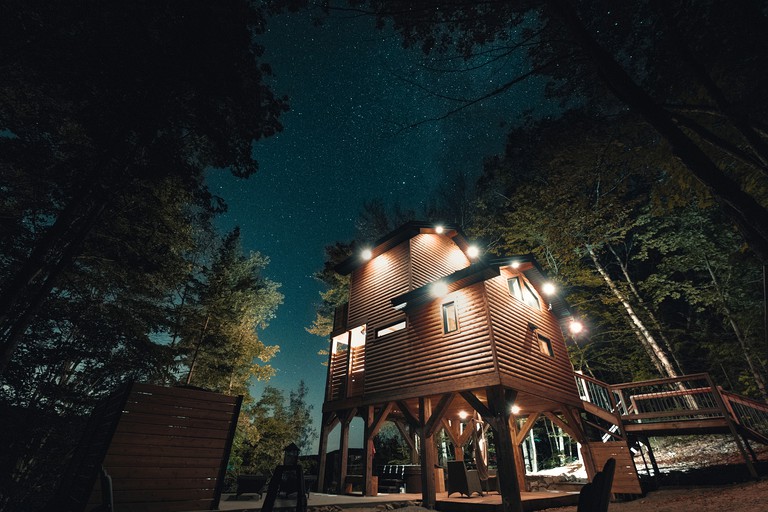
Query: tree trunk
737	331
649	314
667	370
197	348
749	216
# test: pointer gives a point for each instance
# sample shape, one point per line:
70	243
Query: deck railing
748	413
689	397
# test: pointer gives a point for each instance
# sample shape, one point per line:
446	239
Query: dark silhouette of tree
99	99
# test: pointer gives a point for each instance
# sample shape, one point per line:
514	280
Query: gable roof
399	235
481	271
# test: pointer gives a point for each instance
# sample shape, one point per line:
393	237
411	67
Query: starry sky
353	93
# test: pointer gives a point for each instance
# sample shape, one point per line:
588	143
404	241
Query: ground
700	474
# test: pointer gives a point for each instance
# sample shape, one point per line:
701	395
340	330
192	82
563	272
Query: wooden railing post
731	426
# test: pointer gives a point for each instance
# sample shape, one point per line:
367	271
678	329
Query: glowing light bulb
515	409
575	327
515	264
463	415
548	288
439	230
366	254
473	251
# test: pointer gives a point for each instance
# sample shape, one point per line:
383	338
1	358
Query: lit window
450	320
545	346
523	291
399	326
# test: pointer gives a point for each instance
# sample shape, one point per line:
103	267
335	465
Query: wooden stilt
500	403
329	421
428	455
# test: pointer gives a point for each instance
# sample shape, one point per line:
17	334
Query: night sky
344	142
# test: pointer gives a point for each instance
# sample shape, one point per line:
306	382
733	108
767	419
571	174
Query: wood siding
625	480
374	284
422	354
169	449
434	257
522	365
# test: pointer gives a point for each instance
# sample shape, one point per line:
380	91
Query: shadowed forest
645	197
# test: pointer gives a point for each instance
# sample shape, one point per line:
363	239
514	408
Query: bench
392	478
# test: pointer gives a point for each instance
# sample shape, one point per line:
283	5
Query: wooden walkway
456	503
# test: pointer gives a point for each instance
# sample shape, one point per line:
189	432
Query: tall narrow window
545	346
450	319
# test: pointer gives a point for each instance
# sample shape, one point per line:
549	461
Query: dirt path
743	497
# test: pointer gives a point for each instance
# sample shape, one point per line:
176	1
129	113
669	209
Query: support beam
477	405
499	403
527	426
438	414
379	419
370	422
329	421
428	455
518	454
344	447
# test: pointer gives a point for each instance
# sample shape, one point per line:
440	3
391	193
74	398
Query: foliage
268	426
110	116
218	334
96	103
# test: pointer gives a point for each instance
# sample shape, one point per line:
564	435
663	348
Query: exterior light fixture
473	251
366	254
439	230
575	327
548	288
515	264
463	415
439	289
515	409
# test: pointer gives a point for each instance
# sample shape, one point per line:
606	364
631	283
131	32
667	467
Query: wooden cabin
432	332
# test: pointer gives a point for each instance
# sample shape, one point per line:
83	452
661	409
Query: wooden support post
368	489
329	421
654	465
729	420
499	404
428	455
517	452
344	448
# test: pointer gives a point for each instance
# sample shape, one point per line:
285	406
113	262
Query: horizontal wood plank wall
434	257
625	480
521	363
422	354
168	450
374	284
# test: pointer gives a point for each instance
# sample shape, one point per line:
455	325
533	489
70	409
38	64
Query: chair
461	480
595	496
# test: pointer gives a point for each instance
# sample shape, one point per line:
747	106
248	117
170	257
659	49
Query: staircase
690	404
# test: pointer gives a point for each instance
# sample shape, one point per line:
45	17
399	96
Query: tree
95	101
219	334
691	72
271	424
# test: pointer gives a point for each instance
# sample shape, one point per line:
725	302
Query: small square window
545	346
450	318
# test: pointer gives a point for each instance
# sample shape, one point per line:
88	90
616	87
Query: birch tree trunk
666	368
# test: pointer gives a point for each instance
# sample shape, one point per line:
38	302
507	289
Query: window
450	319
545	346
523	291
399	326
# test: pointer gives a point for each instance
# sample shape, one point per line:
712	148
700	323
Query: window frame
445	307
545	345
391	329
522	290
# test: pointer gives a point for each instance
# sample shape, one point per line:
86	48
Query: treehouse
432	332
435	337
